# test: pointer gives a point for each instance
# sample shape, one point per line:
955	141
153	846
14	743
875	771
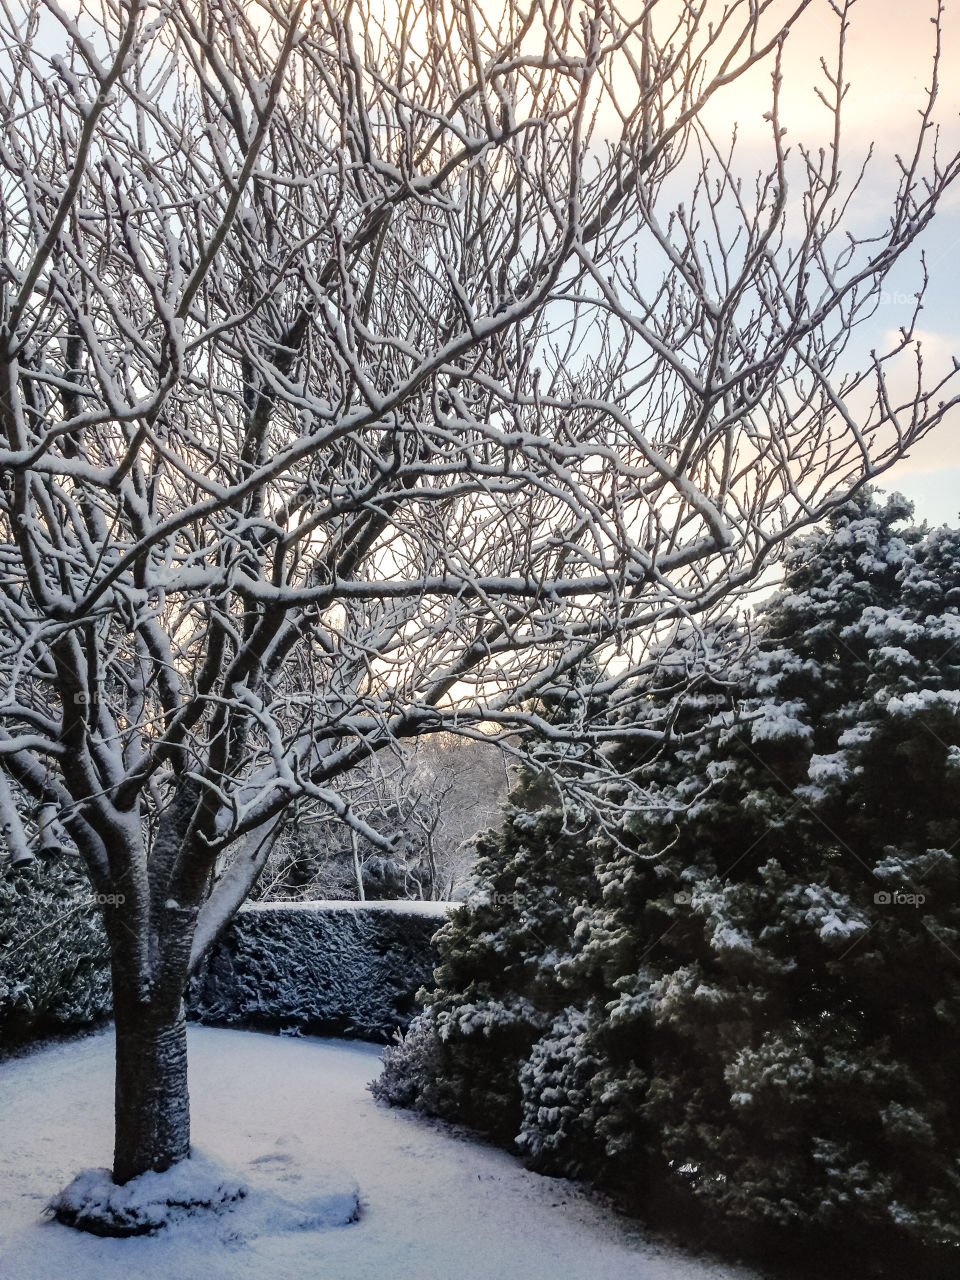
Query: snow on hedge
403	906
330	968
54	958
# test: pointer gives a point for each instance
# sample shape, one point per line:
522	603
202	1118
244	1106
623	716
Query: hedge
54	961
320	968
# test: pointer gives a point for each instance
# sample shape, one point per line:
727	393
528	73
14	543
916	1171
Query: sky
888	62
889	51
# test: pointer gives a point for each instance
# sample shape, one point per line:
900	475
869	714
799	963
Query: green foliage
757	1013
318	968
54	960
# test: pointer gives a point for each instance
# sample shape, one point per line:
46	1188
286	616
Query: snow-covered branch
365	372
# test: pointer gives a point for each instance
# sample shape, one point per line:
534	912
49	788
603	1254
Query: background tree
336	410
431	798
497	989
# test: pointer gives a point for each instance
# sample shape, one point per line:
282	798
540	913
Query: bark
152	1099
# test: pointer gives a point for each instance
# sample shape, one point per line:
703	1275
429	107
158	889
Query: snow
777	721
834	926
831	914
829	768
404	906
293	1122
925	700
198	1186
150	1201
726	938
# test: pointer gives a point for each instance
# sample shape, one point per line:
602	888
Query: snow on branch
366	371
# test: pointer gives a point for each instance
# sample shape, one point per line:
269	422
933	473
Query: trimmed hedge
320	968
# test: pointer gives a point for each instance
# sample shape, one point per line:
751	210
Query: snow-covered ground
293	1119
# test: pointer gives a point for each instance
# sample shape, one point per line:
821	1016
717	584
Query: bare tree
457	788
365	369
431	798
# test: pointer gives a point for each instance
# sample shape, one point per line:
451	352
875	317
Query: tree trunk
357	869
152	1101
150	941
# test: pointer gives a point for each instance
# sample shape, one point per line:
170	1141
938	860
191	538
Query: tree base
94	1202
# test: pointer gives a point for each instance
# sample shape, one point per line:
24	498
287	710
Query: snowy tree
363	370
765	999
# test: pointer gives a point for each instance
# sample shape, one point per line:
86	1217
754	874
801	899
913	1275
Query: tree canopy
364	370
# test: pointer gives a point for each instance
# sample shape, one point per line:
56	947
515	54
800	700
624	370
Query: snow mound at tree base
93	1202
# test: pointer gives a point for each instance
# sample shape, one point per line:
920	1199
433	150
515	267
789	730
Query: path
295	1115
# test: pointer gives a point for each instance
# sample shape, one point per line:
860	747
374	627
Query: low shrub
54	961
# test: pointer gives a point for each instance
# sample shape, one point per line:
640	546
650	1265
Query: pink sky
888	60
